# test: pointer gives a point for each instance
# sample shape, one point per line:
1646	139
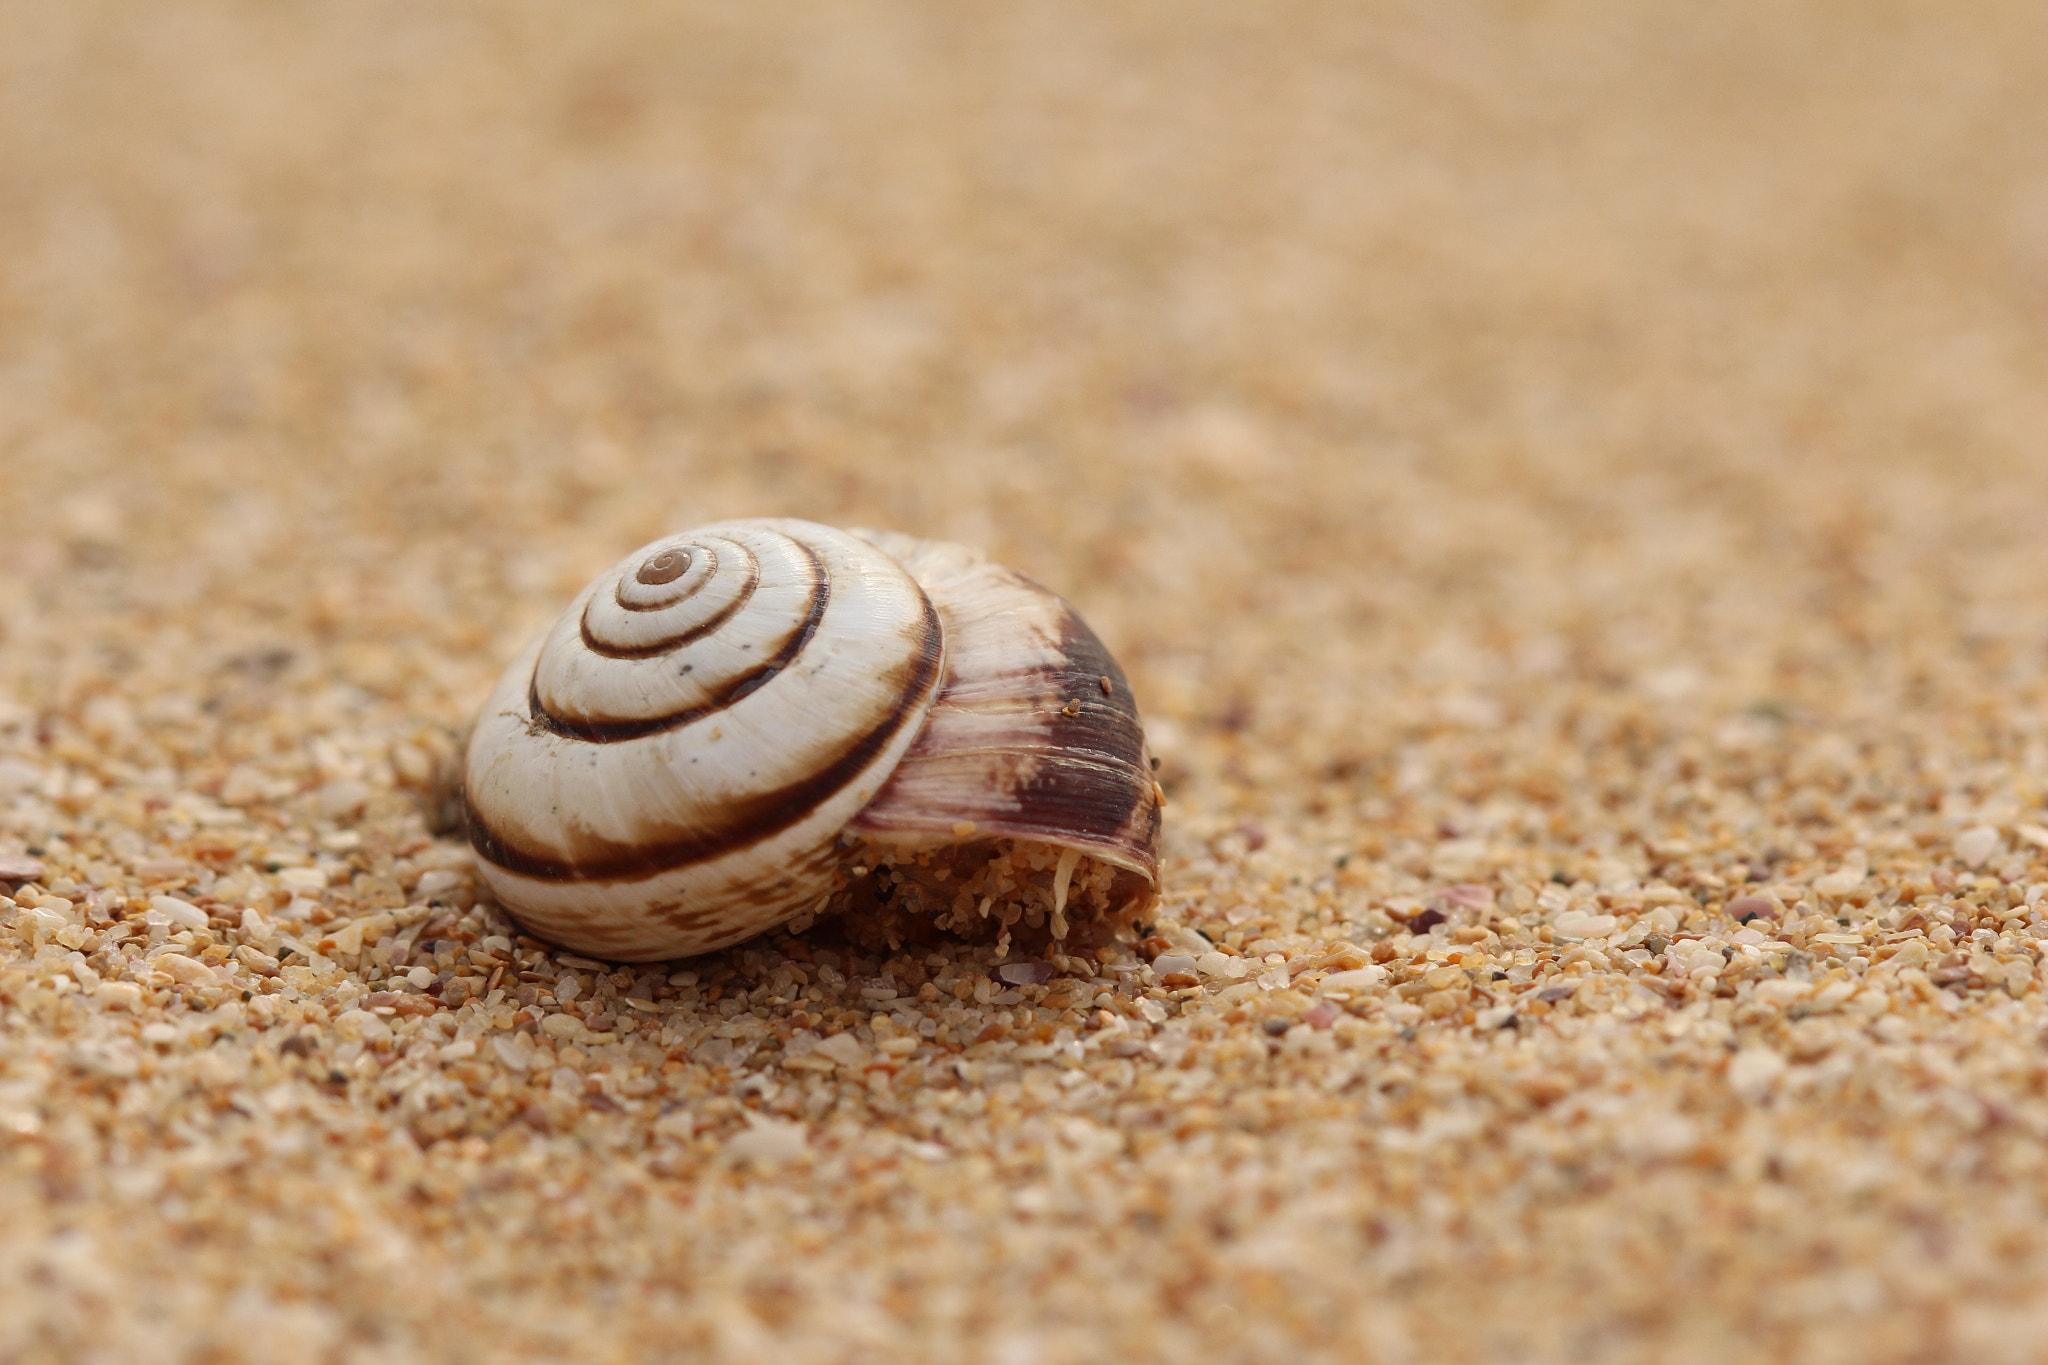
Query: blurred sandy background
1497	438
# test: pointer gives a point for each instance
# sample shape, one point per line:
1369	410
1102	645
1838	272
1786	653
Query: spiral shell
727	721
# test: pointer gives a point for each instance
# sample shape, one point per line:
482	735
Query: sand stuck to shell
1003	891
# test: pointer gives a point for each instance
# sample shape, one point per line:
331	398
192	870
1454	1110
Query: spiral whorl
678	632
668	769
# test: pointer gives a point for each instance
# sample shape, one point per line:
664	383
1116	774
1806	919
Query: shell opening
1030	894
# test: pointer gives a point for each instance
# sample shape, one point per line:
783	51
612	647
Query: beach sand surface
1566	482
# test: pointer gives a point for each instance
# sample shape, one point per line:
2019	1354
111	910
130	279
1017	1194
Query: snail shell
730	724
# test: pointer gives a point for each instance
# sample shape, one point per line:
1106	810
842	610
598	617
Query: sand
1565	482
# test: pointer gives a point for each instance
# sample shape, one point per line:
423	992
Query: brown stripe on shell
747	821
649	932
654	573
711	623
775	886
1093	784
616	731
1024	742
